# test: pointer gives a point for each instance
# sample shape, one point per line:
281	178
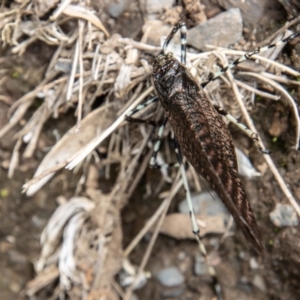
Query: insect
202	135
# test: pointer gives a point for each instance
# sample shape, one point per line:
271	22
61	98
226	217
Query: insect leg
157	144
195	226
253	135
152	163
247	56
138	108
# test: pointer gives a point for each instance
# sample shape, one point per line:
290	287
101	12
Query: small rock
181	256
178	225
223	30
252	10
39	222
170	277
173	293
11	239
63	65
253	263
244	280
116	8
214	242
259	282
245	167
200	267
284	215
15	287
205	204
242	255
244	285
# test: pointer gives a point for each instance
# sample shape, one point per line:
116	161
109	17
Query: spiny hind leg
153	162
253	135
157	144
195	226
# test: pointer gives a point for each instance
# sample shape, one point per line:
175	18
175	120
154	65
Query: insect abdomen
207	144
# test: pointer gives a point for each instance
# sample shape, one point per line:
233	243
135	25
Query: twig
281	78
256	91
80	60
139	45
59	10
82	154
283	28
73	72
44	174
15	158
82	12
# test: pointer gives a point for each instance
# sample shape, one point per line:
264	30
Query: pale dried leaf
72	142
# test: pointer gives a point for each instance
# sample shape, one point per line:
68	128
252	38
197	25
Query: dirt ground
243	274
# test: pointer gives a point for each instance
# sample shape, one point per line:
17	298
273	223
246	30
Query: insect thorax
171	78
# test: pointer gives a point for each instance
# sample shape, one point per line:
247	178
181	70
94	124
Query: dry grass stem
275	64
82	154
286	95
268	158
256	91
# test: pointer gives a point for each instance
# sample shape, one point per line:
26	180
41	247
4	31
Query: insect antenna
248	56
180	25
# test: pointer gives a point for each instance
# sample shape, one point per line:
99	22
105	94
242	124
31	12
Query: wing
207	144
204	139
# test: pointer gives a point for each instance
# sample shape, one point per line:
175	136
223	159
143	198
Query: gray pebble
244	285
223	30
170	277
253	263
259	282
284	215
252	10
245	167
205	203
200	267
173	293
116	8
